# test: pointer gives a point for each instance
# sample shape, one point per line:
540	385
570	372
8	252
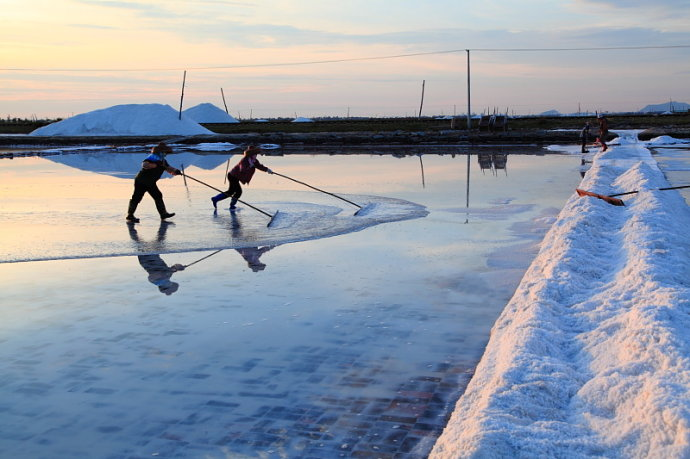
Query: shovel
611	199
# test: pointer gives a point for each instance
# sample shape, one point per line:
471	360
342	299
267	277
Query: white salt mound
665	140
125	120
208	113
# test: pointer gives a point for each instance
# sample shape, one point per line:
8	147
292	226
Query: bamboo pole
226	105
469	115
422	102
184	78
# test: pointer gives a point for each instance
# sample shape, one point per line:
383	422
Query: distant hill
550	113
670	106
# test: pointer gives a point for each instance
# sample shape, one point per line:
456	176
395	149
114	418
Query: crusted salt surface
590	357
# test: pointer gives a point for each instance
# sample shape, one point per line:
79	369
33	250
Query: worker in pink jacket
241	173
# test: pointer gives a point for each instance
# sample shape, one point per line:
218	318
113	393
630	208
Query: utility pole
469	106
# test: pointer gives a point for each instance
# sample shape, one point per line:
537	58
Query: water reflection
159	273
493	162
251	255
421	165
126	165
379	330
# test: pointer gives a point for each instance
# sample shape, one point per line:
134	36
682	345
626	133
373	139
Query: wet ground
674	161
354	344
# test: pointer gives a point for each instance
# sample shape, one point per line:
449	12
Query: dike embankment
360	138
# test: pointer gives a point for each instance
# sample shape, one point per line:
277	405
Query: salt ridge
590	357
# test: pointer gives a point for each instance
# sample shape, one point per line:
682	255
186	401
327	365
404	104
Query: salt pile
208	113
666	140
125	120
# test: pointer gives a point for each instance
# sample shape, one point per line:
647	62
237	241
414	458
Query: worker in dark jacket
152	169
241	173
584	137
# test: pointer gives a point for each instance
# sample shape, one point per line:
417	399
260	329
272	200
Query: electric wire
352	59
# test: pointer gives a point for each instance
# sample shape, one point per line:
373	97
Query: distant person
584	137
152	169
241	173
603	131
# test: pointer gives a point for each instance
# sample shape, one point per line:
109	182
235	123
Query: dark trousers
234	190
141	188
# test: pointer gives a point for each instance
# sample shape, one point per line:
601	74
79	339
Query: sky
288	58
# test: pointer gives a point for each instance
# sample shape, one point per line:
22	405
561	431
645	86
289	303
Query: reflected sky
675	164
242	348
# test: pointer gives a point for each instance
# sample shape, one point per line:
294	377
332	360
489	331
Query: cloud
118	4
93	26
267	35
644	12
672	5
165	9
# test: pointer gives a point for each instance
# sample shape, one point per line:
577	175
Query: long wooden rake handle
658	189
611	199
318	189
220	191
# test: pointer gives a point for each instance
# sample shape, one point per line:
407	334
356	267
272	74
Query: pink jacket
244	170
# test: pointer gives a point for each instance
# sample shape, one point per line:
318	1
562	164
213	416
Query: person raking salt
241	173
152	169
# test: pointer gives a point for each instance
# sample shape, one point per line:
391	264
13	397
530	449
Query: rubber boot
232	204
160	206
130	212
216	198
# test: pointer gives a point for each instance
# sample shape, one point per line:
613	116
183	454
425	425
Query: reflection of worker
242	172
159	271
152	169
252	254
584	137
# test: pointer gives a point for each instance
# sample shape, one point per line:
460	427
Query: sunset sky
59	58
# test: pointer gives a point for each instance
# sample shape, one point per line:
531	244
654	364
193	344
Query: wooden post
184	77
422	102
226	105
467	192
421	164
469	116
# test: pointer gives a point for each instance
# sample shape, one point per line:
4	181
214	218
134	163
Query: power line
599	48
353	59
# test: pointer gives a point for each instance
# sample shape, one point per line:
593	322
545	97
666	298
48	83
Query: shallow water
354	344
674	161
